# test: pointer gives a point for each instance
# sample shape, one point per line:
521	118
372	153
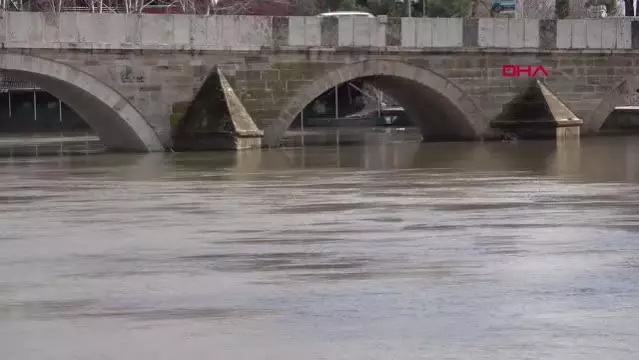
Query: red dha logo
512	70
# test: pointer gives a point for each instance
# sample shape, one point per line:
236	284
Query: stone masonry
143	65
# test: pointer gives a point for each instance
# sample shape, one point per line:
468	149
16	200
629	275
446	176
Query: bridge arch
624	94
453	115
119	124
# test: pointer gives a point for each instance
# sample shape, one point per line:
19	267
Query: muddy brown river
401	250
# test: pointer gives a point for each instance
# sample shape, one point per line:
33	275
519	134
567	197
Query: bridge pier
216	120
537	113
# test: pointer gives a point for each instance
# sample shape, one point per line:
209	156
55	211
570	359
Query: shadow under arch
621	95
118	124
441	109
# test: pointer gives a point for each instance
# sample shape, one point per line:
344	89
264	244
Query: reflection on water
348	135
401	250
45	146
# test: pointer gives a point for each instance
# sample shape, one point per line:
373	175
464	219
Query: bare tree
537	9
481	8
252	7
261	7
545	9
306	7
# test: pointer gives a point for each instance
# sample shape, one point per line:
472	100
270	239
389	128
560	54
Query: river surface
395	251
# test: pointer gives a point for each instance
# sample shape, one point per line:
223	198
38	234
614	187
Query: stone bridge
124	73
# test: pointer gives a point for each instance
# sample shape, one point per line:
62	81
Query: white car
346	14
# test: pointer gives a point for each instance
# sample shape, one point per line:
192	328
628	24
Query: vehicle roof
346	13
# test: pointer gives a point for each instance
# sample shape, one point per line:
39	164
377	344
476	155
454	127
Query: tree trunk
628	7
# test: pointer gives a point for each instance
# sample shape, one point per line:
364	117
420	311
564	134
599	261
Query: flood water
394	251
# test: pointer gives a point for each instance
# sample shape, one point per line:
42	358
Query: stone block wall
156	61
154	83
581	80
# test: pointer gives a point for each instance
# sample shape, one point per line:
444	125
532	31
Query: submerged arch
625	93
440	108
119	125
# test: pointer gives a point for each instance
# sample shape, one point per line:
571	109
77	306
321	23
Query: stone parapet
25	30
